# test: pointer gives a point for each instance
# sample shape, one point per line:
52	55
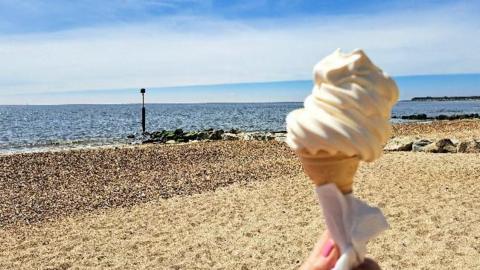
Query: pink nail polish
327	248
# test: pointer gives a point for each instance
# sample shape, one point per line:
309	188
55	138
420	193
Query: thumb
328	258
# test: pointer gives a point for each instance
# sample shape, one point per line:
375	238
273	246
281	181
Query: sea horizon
180	103
411	86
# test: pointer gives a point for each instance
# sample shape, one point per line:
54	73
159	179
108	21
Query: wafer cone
323	169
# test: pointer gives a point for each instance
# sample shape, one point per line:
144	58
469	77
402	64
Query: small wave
53	145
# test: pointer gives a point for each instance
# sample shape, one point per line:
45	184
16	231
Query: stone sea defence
180	136
398	143
423	116
444	145
446	98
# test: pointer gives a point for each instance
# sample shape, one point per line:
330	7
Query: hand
324	255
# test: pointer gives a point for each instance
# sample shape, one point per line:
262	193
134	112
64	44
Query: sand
461	130
267	220
44	186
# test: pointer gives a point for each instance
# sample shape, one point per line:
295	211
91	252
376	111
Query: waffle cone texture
337	169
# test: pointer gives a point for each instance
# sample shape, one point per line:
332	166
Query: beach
229	205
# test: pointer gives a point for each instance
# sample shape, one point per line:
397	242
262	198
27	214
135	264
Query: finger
318	257
324	240
325	263
327	248
332	258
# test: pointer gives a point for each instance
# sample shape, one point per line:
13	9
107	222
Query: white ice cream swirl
348	111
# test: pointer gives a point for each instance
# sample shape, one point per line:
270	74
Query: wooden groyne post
142	91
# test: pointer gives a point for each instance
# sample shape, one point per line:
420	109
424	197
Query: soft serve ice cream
344	120
348	111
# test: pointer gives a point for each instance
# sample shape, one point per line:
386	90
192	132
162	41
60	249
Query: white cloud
198	50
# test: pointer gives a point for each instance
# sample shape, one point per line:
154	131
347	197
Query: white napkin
351	223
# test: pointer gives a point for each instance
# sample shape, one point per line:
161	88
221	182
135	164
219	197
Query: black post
143	109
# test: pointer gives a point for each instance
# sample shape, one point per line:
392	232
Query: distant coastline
459	98
227	92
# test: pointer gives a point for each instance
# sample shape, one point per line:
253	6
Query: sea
32	128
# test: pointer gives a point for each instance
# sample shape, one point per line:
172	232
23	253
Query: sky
90	51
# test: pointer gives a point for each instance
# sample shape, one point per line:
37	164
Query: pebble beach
229	205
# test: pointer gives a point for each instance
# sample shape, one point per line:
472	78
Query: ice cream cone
323	169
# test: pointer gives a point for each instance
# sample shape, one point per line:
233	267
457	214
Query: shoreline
456	130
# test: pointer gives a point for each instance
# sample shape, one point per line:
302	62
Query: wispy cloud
192	49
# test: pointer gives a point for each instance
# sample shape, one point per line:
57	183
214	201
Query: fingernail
327	248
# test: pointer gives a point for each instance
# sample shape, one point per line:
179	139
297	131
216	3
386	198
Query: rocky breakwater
181	136
424	117
444	145
399	143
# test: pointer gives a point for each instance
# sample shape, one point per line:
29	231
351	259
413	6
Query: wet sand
226	205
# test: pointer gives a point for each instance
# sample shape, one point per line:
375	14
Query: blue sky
53	50
27	16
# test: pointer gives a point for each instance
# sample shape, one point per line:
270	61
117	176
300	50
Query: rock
439	146
431	148
421	116
163	136
462	147
457	116
258	136
280	136
439	117
178	132
191	135
230	137
157	137
455	141
419	146
446	146
234	131
399	144
170	142
469	147
215	135
202	135
157	134
160	136
180	135
131	136
168	135
247	136
269	136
